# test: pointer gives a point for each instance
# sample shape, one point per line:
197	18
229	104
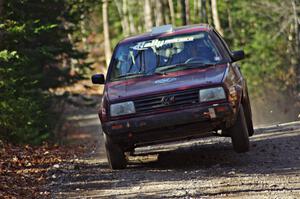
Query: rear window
136	59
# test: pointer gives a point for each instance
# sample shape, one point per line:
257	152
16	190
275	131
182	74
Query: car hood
179	80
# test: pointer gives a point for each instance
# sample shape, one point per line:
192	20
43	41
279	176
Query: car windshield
161	55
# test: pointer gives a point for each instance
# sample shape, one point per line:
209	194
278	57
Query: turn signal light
232	95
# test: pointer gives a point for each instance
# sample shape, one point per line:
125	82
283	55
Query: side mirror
98	79
237	55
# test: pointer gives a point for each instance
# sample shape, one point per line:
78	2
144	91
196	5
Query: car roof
175	31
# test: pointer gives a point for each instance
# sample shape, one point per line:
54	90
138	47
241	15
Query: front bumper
173	125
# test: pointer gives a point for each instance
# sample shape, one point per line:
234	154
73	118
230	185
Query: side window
222	43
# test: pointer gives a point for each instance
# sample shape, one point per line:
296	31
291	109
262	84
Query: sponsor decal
159	43
165	80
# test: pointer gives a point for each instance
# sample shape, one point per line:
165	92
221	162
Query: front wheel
115	155
239	133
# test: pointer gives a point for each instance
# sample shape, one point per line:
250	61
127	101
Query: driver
200	51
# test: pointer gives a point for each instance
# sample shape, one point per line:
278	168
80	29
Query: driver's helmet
168	50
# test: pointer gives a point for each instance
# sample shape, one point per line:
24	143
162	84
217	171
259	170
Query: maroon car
173	84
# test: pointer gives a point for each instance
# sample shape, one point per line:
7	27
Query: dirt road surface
204	168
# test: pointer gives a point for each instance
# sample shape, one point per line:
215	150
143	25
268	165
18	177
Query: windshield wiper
131	75
184	66
159	73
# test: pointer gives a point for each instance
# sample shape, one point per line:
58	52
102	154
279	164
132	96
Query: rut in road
206	168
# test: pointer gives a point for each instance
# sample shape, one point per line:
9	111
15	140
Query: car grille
179	98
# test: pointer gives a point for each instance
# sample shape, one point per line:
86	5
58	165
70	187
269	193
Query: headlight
211	94
123	108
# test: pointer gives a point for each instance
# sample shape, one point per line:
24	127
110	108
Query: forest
45	45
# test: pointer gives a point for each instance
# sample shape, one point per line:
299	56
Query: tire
248	117
239	133
250	127
115	155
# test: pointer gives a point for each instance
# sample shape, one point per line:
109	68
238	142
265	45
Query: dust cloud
274	109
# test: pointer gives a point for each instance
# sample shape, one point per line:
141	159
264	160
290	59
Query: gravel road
204	168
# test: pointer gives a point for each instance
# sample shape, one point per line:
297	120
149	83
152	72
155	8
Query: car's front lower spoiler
173	124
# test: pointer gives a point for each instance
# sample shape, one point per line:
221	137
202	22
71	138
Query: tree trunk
107	48
147	15
203	15
125	17
187	11
158	15
296	28
172	13
166	12
196	11
1	7
230	25
1	34
215	16
132	24
297	42
208	12
141	20
183	12
124	20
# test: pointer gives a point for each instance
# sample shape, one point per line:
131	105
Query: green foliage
22	116
34	44
265	30
267	66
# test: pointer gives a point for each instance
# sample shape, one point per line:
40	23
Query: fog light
116	126
221	108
